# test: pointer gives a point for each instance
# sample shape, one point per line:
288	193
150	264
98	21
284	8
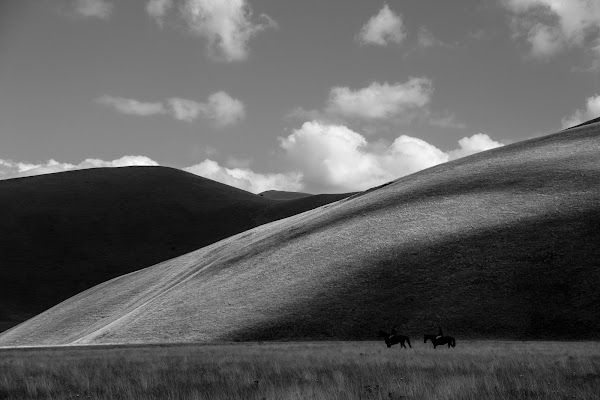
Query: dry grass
317	370
499	245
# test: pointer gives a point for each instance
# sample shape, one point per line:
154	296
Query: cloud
246	179
323	157
184	109
380	100
158	9
474	144
10	169
220	108
226	24
131	106
224	109
591	111
426	38
549	26
100	9
383	28
335	158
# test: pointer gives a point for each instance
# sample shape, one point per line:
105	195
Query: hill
500	244
64	233
282	195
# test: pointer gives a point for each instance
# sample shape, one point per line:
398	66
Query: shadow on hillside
64	233
533	280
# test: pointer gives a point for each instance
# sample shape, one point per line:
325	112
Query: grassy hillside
64	233
499	244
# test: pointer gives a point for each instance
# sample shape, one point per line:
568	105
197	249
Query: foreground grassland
323	370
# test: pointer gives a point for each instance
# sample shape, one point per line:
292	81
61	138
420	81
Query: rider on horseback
440	333
393	333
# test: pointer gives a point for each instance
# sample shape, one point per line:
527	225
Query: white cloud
158	9
380	100
220	108
184	109
224	109
226	24
552	25
131	106
591	111
10	169
246	179
100	9
335	158
383	28
474	144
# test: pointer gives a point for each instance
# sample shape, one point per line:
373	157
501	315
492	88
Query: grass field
315	370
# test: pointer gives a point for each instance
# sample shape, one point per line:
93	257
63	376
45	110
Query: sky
319	96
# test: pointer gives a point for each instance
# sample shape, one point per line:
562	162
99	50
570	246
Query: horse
449	340
393	339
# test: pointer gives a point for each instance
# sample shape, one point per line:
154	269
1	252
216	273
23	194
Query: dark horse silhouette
449	340
393	339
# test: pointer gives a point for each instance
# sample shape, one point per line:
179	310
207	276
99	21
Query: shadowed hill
282	195
502	244
64	233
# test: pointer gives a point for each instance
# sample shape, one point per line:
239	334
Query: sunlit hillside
501	244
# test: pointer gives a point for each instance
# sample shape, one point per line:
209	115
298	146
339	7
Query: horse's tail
453	342
408	341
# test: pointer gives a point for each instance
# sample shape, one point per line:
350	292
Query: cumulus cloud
549	26
224	109
591	111
131	106
380	100
246	179
10	169
227	25
100	9
220	108
333	157
474	144
383	28
158	9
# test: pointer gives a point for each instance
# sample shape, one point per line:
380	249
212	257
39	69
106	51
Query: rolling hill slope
501	244
282	195
64	233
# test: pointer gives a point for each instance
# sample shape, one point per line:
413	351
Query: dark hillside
282	195
64	233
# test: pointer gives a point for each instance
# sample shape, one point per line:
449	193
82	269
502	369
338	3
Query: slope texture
500	244
64	233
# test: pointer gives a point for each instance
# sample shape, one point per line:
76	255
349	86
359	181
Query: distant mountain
64	233
282	195
500	244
